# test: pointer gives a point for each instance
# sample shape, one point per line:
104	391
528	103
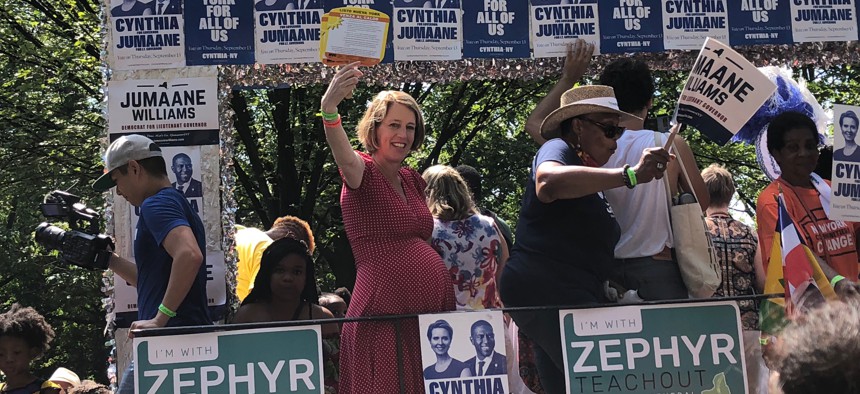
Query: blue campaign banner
631	26
760	22
496	28
219	32
383	6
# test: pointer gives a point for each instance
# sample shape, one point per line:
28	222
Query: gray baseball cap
120	152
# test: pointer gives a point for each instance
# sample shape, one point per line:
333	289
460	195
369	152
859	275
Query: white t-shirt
641	212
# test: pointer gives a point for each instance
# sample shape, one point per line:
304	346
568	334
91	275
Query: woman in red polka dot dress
388	225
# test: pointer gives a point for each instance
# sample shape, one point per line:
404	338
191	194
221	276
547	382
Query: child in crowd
24	337
285	288
333	303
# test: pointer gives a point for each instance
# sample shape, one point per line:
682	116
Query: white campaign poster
125	295
687	23
722	92
845	183
464	352
145	34
556	23
820	20
427	30
144	106
287	31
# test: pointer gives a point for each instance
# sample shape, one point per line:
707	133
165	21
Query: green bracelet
165	310
331	117
836	280
632	175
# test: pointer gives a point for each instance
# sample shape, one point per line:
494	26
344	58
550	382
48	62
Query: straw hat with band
120	152
63	375
583	100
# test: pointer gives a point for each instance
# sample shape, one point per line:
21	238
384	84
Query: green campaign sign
266	360
685	348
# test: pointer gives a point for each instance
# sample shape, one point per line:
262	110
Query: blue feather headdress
789	96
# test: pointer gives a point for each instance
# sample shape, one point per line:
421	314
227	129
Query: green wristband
632	176
836	280
165	310
331	117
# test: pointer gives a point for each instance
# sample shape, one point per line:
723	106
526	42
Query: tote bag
694	248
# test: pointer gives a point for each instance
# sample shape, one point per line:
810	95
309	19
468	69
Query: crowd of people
593	224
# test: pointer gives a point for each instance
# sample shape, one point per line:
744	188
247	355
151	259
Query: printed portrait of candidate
848	126
166	7
131	8
486	361
428	3
440	335
184	169
287	5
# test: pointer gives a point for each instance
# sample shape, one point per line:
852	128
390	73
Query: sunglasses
610	131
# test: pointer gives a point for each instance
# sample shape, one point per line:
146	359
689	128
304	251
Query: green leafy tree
50	123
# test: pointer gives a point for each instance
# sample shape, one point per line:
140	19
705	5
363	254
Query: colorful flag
799	276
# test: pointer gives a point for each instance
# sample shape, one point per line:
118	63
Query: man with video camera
169	271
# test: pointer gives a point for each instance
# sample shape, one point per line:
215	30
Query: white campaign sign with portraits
845	197
476	343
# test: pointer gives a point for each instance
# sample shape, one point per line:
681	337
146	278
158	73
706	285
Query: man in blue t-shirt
169	269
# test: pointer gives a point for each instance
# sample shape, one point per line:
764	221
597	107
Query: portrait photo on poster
182	162
845	122
427	3
463	345
287	5
124	8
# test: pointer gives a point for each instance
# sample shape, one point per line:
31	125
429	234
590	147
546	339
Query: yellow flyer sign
351	34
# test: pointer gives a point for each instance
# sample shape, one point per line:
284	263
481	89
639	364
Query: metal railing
397	319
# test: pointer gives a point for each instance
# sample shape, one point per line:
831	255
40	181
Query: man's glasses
610	131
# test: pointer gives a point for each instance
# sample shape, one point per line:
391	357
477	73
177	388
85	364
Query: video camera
82	245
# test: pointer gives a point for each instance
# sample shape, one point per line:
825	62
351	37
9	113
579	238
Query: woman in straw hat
566	232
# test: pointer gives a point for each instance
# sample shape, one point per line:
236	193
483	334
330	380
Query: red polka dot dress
397	273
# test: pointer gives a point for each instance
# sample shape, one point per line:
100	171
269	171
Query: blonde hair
720	184
377	110
448	196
